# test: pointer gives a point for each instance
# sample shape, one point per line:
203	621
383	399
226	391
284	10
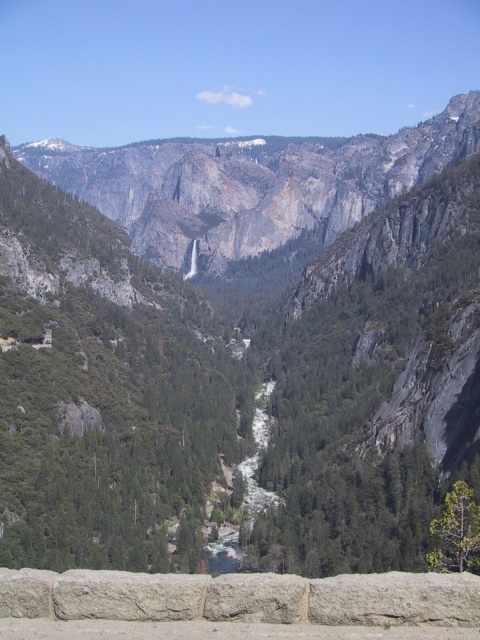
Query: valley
302	313
241	198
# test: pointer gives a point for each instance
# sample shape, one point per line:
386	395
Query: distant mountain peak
244	144
53	144
464	104
252	194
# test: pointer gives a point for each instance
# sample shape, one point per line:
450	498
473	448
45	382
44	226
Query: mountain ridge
118	393
374	354
257	198
400	233
403	235
377	384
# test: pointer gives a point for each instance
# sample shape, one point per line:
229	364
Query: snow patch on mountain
53	144
244	144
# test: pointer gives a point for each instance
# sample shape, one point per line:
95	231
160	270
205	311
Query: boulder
79	419
26	593
257	598
119	595
396	598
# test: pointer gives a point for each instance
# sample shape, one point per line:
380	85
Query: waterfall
193	261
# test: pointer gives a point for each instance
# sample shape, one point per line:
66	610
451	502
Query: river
221	555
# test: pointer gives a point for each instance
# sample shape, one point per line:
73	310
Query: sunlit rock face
245	197
435	397
398	235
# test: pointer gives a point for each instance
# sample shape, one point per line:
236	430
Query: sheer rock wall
240	202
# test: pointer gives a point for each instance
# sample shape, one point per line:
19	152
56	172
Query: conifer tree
459	531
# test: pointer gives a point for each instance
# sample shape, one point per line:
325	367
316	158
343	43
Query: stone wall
377	599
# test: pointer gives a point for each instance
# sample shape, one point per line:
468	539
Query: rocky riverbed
257	498
222	554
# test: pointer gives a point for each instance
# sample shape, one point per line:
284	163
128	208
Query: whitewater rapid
257	498
223	553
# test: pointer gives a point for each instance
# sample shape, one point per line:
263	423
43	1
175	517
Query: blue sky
110	72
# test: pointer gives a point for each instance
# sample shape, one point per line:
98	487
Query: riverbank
257	498
222	555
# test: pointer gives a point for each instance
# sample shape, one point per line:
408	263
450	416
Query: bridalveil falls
193	261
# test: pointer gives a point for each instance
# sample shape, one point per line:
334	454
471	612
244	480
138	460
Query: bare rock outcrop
435	399
88	271
79	419
367	344
26	271
4	147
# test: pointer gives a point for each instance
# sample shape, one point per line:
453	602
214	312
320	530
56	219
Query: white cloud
217	97
428	114
237	100
231	130
411	105
206	127
260	92
212	97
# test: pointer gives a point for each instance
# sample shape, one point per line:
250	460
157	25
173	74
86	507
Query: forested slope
388	314
117	393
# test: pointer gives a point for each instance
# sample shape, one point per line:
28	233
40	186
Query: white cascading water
257	498
193	261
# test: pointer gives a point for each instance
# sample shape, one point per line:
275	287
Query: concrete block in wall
26	593
396	598
119	595
257	598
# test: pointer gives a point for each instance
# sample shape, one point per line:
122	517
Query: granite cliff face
245	197
39	275
435	397
116	181
400	234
